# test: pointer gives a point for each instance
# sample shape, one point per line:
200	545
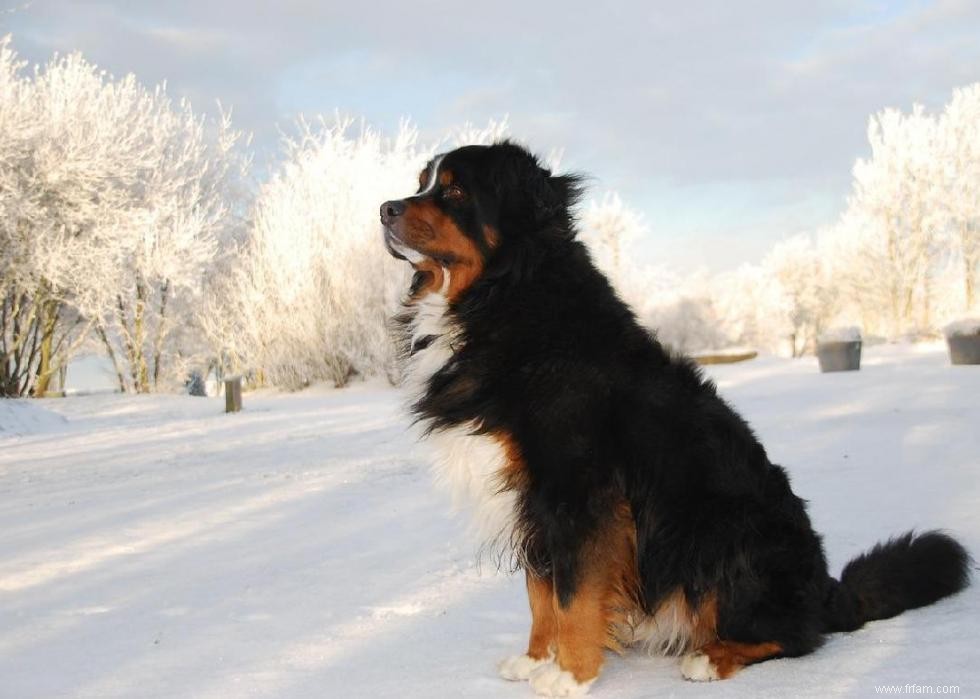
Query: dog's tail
906	572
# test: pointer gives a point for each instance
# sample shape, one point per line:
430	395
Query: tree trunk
969	266
47	323
127	337
120	377
138	368
161	331
894	292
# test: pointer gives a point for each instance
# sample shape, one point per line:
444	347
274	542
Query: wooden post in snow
233	394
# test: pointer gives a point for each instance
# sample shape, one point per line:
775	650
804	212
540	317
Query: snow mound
967	326
22	417
846	333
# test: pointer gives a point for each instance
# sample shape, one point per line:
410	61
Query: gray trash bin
839	356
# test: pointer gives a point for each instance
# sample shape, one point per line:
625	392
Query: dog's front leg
582	626
543	643
586	605
565	648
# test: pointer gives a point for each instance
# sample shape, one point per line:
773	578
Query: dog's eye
453	192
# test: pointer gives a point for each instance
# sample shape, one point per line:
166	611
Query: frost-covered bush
310	299
688	325
678	308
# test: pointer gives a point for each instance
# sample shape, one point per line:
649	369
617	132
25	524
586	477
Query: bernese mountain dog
640	506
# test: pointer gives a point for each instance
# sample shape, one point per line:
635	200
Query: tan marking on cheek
432	233
467	265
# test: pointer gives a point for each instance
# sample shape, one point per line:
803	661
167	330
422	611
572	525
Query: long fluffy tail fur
905	572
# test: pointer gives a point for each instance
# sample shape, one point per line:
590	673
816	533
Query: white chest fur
466	465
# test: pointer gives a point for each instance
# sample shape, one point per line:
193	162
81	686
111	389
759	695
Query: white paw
698	667
519	667
549	680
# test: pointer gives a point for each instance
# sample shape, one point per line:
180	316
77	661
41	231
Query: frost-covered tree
959	193
610	228
751	307
180	216
802	293
55	202
114	201
891	220
21	331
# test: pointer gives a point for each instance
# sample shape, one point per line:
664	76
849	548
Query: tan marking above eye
445	178
423	178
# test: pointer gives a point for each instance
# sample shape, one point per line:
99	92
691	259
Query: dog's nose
391	210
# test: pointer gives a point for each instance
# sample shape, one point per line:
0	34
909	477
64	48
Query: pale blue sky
728	124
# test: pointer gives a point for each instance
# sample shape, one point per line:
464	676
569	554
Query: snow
156	547
845	333
967	326
23	417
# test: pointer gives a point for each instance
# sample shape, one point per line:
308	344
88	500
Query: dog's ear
548	196
567	190
531	198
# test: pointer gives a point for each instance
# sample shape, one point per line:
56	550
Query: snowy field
155	547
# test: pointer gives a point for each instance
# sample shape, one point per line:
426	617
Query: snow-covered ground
156	547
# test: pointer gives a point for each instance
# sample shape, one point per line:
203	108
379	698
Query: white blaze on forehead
433	176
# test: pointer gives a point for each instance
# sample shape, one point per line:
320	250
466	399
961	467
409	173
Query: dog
640	506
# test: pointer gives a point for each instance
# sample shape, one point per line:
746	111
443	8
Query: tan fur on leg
542	644
720	660
604	598
544	629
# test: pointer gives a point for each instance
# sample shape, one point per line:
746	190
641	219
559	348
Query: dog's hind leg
781	620
719	660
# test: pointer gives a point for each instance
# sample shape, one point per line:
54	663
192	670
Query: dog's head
475	207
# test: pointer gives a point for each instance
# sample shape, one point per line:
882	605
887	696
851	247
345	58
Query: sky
728	125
